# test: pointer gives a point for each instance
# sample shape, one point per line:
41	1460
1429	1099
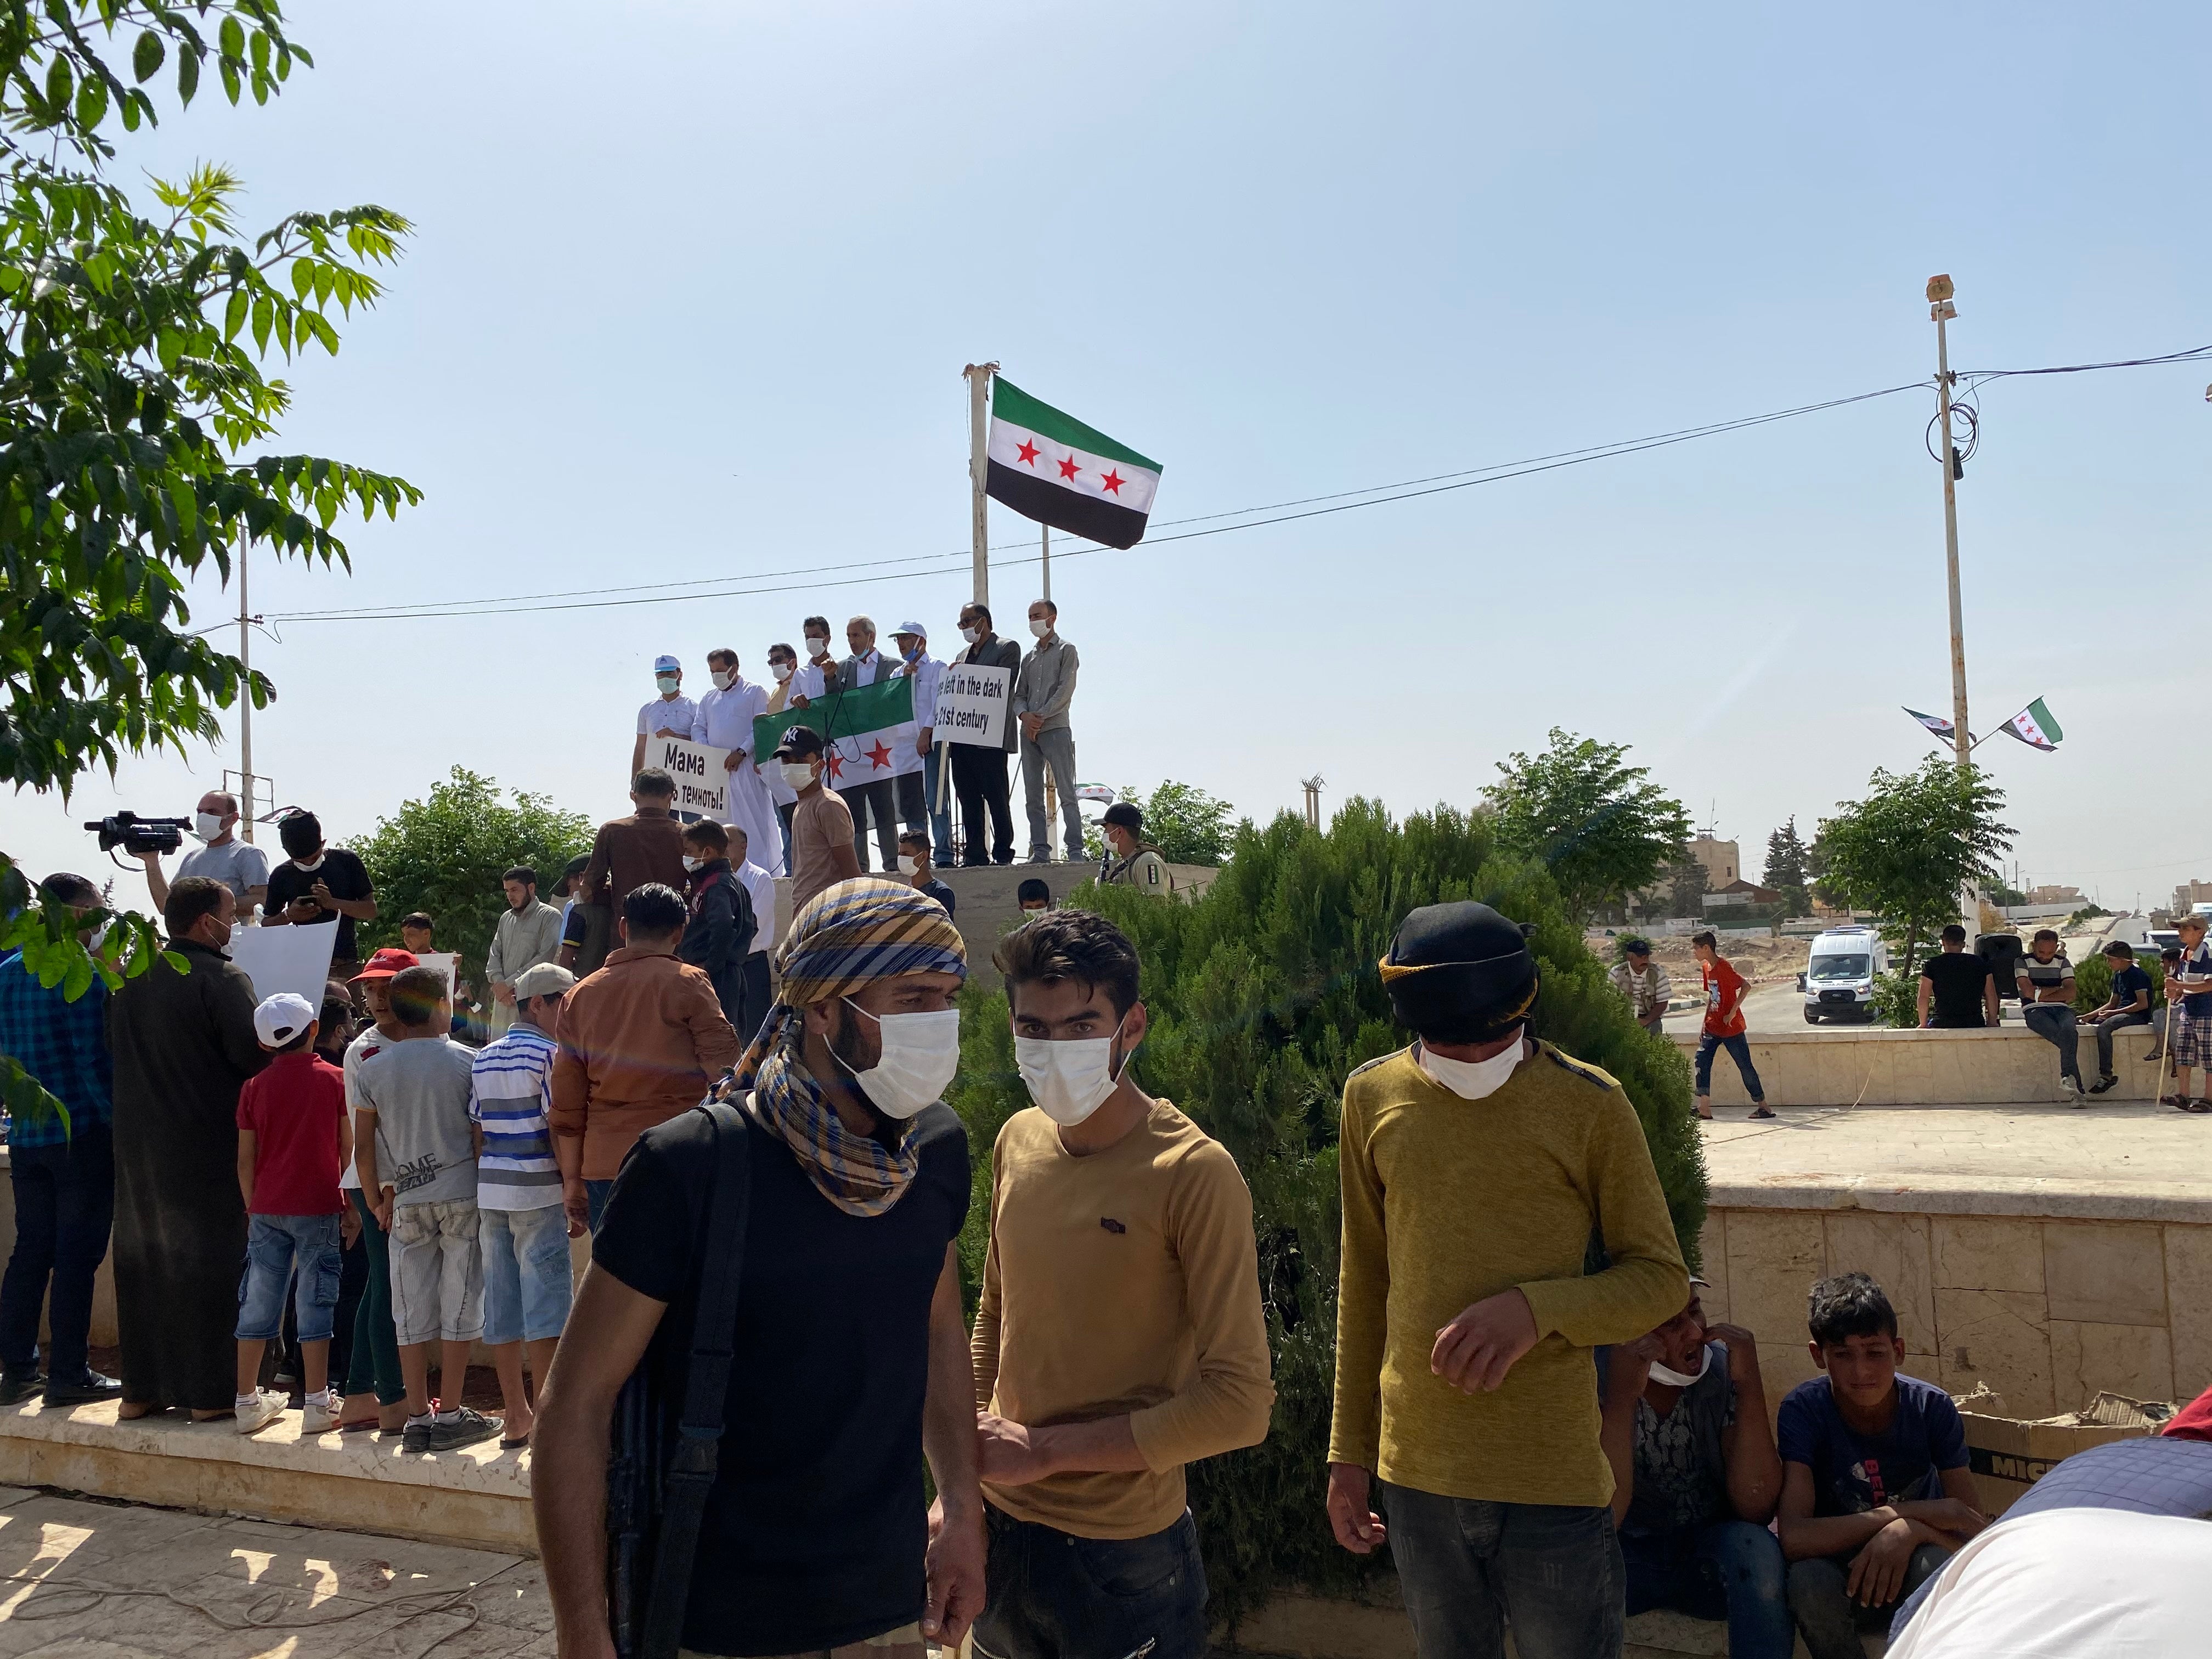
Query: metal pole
979	437
1941	310
244	707
1047	530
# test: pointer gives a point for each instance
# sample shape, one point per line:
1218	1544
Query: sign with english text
971	705
702	779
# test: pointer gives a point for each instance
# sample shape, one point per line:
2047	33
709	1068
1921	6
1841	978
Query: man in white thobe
725	720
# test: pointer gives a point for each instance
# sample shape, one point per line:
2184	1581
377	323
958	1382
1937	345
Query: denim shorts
273	1243
525	1273
437	1275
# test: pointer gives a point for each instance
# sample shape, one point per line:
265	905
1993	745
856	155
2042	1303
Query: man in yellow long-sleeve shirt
1119	1335
1476	1165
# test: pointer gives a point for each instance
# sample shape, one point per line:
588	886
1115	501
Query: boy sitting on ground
414	1144
1875	1490
292	1143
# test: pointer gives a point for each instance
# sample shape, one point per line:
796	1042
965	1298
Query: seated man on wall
2129	1003
1956	991
1696	1478
1875	1490
2045	978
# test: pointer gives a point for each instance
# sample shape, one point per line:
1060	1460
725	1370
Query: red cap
385	963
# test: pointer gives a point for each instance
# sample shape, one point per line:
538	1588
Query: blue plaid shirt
61	1043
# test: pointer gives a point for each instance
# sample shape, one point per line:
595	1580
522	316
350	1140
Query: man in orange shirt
1724	1028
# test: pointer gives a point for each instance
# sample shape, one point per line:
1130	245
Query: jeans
2106	1028
783	811
65	1206
1739	1048
882	800
979	779
1055	748
375	1362
1467	1565
2054	1022
937	803
1727	1570
1829	1619
1049	1595
274	1243
525	1273
596	1193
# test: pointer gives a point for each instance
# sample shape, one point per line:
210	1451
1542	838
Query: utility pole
979	461
1313	786
1941	311
245	705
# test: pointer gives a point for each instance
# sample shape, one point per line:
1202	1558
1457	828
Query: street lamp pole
1941	311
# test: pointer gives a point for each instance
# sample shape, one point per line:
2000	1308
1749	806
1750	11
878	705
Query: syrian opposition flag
1050	467
2033	726
1935	723
868	734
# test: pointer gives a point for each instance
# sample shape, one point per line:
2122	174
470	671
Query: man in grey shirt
414	1144
1042	692
529	933
238	865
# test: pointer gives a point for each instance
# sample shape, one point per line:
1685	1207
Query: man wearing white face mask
1043	694
669	714
238	865
1109	1356
1475	1165
853	1357
725	720
821	824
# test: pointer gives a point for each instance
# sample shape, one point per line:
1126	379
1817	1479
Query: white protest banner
442	961
702	780
285	958
971	704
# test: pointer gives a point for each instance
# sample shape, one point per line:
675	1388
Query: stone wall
1858	1066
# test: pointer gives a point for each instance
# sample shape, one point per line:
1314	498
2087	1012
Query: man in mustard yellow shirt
1119	1335
1476	1165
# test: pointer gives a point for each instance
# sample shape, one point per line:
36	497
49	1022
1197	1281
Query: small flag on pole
1935	723
2033	726
1048	466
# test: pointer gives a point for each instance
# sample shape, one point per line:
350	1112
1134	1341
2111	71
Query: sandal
1763	1111
2200	1104
2179	1103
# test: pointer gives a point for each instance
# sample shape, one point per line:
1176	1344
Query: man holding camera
238	865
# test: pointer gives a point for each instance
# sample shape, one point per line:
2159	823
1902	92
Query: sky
691	286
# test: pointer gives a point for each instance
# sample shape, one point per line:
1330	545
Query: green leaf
232	35
264	314
91	104
233	314
146	57
188	74
60	83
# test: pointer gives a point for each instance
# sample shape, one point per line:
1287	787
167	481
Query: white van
1839	974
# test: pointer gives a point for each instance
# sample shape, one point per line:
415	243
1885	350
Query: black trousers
64	1206
979	779
757	998
882	801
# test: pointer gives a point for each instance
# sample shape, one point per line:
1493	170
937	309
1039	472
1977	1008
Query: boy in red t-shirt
1724	992
294	1138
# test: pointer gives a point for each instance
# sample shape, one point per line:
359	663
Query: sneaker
318	1413
2102	1084
2071	1088
1038	858
90	1389
16	1387
257	1411
443	1432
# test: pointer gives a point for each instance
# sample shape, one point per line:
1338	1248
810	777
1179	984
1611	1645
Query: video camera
139	837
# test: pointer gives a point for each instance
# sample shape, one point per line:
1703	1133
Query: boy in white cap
293	1141
669	714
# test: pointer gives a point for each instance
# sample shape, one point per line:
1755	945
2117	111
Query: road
1767	1009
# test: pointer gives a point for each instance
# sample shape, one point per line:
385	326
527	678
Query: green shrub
1263	995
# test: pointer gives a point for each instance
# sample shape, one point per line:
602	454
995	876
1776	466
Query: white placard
443	962
971	704
702	777
287	958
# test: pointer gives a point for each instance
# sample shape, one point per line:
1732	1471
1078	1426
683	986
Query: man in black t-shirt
852	1351
1956	990
319	884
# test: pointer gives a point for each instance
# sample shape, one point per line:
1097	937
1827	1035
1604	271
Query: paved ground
88	1580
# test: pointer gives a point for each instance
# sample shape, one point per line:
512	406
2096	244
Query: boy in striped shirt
524	1231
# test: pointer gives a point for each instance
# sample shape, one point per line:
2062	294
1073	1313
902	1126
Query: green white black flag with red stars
2033	726
1049	466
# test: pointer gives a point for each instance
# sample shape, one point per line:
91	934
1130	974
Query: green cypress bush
1263	995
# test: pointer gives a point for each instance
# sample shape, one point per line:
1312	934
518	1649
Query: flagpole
1941	310
1047	560
979	386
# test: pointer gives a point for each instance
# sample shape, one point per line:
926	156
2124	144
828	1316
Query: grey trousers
1057	751
881	799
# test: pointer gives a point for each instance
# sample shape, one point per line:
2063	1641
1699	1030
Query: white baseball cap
913	628
282	1018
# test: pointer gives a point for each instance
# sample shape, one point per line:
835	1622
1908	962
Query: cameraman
239	865
316	883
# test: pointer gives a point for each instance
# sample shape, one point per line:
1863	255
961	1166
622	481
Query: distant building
1721	862
2054	895
1740	891
2190	894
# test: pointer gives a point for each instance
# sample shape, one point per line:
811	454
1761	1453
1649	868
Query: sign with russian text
702	779
971	704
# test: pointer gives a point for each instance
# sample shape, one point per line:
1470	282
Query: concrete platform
1865	1066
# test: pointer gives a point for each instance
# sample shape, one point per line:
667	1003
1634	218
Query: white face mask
780	670
722	676
906	865
668	684
305	864
1471	1079
971	635
797	773
920	1054
1674	1379
1040	627
1069	1080
207	825
690	863
816	648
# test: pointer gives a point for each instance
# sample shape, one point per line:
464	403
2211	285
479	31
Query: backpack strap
697	1453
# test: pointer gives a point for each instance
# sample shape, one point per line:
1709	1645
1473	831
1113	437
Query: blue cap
666	665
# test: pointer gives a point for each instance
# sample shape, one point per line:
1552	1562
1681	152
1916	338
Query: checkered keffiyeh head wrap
845	937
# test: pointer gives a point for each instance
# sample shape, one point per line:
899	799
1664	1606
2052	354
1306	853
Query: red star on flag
879	757
1068	468
1114	480
1028	453
832	764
